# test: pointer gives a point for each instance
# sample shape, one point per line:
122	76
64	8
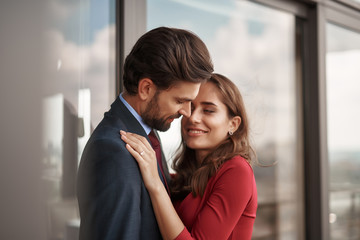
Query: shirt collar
146	128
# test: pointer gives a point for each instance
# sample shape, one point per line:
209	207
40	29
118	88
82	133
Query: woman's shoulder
236	167
237	162
236	174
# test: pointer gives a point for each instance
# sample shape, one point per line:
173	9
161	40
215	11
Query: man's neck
133	101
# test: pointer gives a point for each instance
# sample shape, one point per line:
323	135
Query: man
162	74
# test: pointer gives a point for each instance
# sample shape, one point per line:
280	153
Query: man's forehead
185	86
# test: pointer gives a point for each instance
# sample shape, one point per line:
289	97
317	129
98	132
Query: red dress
228	208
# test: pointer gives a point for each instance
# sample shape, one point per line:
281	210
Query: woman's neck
200	155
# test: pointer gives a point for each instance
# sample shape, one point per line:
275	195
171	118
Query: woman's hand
169	222
141	150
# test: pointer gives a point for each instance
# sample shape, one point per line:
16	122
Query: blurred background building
296	62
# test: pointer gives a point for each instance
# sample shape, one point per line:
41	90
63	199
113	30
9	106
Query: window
79	87
343	117
255	46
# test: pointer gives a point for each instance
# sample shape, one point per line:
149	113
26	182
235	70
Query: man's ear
235	123
146	89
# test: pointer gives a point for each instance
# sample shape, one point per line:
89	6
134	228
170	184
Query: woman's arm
233	189
168	220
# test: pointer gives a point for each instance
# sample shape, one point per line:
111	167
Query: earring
231	133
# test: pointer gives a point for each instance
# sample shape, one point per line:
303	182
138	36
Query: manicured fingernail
122	132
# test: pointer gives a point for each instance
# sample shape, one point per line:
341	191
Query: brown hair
166	56
192	176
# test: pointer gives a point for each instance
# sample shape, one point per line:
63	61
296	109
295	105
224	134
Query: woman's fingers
133	137
137	145
134	153
140	158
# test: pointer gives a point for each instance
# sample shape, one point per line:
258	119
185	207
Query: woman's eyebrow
208	103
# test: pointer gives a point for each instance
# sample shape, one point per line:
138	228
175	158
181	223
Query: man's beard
151	115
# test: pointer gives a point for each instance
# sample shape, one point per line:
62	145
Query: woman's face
208	124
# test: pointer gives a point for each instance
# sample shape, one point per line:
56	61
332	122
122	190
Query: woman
213	191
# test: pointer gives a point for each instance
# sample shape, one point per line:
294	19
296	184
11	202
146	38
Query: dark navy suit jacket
113	201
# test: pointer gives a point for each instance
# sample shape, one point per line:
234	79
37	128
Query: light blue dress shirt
136	115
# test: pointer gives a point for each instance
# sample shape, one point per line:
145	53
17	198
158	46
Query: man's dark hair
166	56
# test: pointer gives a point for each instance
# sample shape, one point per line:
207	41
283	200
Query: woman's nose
195	116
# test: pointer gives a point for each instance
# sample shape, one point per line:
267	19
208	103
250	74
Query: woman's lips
195	132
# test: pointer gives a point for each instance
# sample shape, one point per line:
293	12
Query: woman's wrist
156	186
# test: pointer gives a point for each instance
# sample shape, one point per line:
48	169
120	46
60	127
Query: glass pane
243	39
343	117
80	82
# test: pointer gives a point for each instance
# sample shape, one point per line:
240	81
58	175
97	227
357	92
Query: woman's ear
146	89
235	123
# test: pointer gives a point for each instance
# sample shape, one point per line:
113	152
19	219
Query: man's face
169	104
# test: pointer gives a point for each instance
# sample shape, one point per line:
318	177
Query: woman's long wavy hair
191	176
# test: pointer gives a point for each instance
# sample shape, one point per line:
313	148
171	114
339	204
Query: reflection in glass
255	47
343	117
80	83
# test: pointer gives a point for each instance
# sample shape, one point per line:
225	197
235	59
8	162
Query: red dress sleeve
230	206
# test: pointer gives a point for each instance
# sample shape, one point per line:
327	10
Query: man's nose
186	109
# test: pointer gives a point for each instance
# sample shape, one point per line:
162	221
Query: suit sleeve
231	193
109	192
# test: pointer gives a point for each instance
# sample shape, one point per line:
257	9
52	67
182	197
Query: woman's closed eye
208	111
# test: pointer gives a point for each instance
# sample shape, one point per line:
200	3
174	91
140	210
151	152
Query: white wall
21	207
